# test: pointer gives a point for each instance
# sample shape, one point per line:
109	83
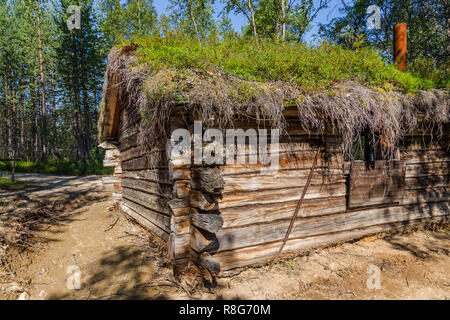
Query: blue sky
239	20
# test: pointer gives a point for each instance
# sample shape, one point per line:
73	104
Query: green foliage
310	68
60	166
7	184
427	23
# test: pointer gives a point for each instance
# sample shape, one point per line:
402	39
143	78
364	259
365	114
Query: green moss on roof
310	68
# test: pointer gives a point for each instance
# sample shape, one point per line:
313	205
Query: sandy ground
90	252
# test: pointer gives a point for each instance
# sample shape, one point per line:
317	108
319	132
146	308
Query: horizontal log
237	199
127	130
179	207
147	187
209	222
106	145
202	201
264	253
207	179
144	222
118	170
110	180
112	154
111	163
116	196
158	219
202	241
128	142
181	174
427	169
132	153
312	226
179	246
182	189
280	180
427	181
430	194
425	156
299	160
207	261
147	200
180	224
266	213
160	176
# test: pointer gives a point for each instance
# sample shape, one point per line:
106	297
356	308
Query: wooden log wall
256	208
112	159
234	215
145	182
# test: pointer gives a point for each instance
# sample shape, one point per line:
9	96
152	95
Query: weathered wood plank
180	224
203	241
427	181
158	219
299	160
110	179
210	222
128	142
111	163
430	194
280	180
147	187
312	226
144	222
202	201
264	253
236	199
160	176
206	261
179	207
379	182
207	179
425	156
147	200
179	246
269	212
428	169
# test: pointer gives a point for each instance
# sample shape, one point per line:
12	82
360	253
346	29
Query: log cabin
367	160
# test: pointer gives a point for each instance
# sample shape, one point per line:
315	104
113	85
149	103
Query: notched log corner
211	222
202	241
207	179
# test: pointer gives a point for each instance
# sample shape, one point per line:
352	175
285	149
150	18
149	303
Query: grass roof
310	68
352	90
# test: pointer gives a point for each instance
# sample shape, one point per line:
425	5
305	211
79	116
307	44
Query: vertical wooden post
400	46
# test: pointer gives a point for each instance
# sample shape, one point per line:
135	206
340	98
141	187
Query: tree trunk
283	20
21	116
8	118
252	15
41	69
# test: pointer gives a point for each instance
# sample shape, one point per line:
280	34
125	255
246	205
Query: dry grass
217	98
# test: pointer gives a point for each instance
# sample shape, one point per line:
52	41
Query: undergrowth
64	167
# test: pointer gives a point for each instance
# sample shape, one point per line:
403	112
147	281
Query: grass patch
311	68
63	167
7	184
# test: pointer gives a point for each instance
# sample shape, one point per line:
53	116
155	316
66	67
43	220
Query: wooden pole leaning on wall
299	204
400	46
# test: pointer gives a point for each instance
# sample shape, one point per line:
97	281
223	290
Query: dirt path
118	260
